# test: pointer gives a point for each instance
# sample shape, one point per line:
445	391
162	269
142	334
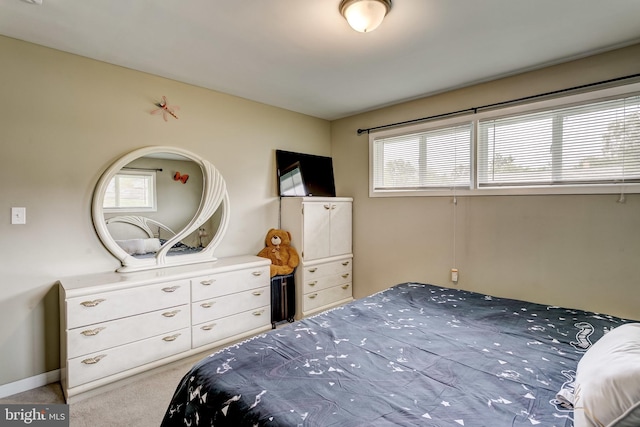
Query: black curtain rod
497	104
143	169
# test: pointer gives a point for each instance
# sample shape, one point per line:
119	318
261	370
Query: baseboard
29	383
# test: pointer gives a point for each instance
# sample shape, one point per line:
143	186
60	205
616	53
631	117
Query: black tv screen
302	174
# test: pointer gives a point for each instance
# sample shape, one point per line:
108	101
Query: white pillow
607	386
139	246
151	245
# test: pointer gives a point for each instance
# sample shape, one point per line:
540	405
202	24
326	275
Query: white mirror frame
214	194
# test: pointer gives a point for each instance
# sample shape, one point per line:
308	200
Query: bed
142	237
412	355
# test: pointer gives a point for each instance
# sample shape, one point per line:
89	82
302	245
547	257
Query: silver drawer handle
257	273
333	206
208	327
207	304
171	313
327	207
94	360
92	332
345	286
92	303
312	270
170	288
257	293
258	313
171	337
344	276
345	263
207	282
313	283
312	296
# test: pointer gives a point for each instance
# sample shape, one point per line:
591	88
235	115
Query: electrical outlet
454	275
18	215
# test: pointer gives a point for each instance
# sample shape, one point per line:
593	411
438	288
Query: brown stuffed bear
283	256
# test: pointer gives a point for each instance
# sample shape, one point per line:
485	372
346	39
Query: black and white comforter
413	355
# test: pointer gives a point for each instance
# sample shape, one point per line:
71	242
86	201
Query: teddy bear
284	257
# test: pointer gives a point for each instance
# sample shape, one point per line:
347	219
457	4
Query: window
131	191
596	143
437	158
587	143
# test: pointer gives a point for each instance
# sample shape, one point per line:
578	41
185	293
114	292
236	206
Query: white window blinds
585	143
133	191
432	158
593	143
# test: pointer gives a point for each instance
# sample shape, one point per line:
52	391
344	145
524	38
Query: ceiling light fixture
364	15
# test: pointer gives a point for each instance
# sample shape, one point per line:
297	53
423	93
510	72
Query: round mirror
160	206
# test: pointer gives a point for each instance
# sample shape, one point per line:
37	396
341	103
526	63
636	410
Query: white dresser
321	232
115	325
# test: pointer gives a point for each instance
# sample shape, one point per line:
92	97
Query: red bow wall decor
178	177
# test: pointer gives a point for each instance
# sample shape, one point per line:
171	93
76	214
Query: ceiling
301	55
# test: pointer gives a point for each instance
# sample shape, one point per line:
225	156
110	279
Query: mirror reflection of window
131	191
291	181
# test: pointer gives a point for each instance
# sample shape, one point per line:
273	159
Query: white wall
574	251
63	120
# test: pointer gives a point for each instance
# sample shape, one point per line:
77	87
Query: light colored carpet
141	403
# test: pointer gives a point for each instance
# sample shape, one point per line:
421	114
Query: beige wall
63	120
574	251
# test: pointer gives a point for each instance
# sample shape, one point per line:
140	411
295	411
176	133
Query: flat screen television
302	174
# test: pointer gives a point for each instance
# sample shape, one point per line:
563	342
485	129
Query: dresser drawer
102	307
100	336
215	285
209	309
320	283
314	271
101	364
219	329
314	300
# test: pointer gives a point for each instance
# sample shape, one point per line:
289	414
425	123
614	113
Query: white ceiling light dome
364	15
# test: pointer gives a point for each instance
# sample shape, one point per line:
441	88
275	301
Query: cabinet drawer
210	332
325	282
101	364
328	296
215	285
100	336
102	307
209	309
315	271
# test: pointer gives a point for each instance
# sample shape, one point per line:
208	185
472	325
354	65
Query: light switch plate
18	215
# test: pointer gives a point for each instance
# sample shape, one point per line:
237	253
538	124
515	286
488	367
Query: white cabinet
227	304
115	325
322	284
326	229
321	231
320	227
